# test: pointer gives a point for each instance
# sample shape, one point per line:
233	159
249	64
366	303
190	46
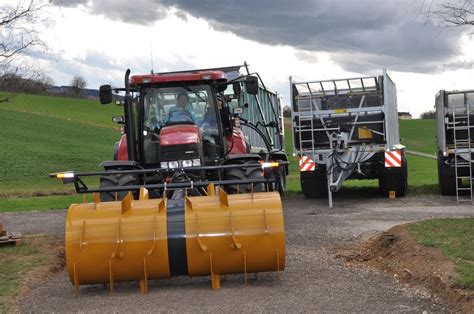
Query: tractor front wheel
115	180
245	174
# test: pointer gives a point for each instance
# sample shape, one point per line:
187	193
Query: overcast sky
306	39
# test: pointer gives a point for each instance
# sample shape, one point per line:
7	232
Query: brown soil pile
396	252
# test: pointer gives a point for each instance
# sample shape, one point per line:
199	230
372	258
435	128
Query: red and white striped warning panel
307	164
393	159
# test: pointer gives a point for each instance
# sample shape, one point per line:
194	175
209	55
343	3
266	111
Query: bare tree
78	83
428	115
17	34
450	13
17	29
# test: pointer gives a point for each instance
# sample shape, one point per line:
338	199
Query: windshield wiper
189	89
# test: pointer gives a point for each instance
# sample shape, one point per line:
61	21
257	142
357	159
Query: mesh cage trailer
347	129
454	114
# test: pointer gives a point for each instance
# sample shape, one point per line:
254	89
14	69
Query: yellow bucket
139	240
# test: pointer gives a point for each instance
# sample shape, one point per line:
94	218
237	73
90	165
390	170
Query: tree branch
452	13
17	14
17	25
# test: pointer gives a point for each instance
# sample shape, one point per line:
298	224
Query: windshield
173	105
164	106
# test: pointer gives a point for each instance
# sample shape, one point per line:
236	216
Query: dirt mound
396	252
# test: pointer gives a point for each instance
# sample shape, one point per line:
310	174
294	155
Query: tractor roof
211	75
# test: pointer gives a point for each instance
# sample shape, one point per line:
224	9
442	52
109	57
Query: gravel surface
314	279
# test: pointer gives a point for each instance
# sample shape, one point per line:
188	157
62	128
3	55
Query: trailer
454	113
347	129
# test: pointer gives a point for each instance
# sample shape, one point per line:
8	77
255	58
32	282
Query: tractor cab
179	115
183	119
217	126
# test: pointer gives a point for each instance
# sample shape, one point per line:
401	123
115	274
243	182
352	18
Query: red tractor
196	127
193	187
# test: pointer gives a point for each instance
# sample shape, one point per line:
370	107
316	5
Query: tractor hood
180	134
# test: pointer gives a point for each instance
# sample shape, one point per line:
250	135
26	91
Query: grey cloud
391	33
143	12
138	12
69	3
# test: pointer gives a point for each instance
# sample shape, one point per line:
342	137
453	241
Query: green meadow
45	134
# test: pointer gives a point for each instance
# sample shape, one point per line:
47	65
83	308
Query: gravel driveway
314	280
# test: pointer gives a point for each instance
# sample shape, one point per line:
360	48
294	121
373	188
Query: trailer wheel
114	180
314	184
446	177
245	174
395	180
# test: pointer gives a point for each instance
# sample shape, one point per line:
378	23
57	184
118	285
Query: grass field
83	111
18	204
455	238
419	135
43	134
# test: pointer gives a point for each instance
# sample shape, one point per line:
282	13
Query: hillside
42	134
419	135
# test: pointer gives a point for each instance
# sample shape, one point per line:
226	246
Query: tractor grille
179	152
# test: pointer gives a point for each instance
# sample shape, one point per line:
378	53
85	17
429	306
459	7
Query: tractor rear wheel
114	180
314	184
245	174
446	177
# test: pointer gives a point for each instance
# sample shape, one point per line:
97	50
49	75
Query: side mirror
251	85
105	94
118	119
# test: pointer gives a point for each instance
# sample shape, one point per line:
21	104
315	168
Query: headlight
173	164
187	163
180	163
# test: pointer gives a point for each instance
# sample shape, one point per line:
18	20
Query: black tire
279	177
243	174
113	180
281	180
446	177
314	184
395	180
